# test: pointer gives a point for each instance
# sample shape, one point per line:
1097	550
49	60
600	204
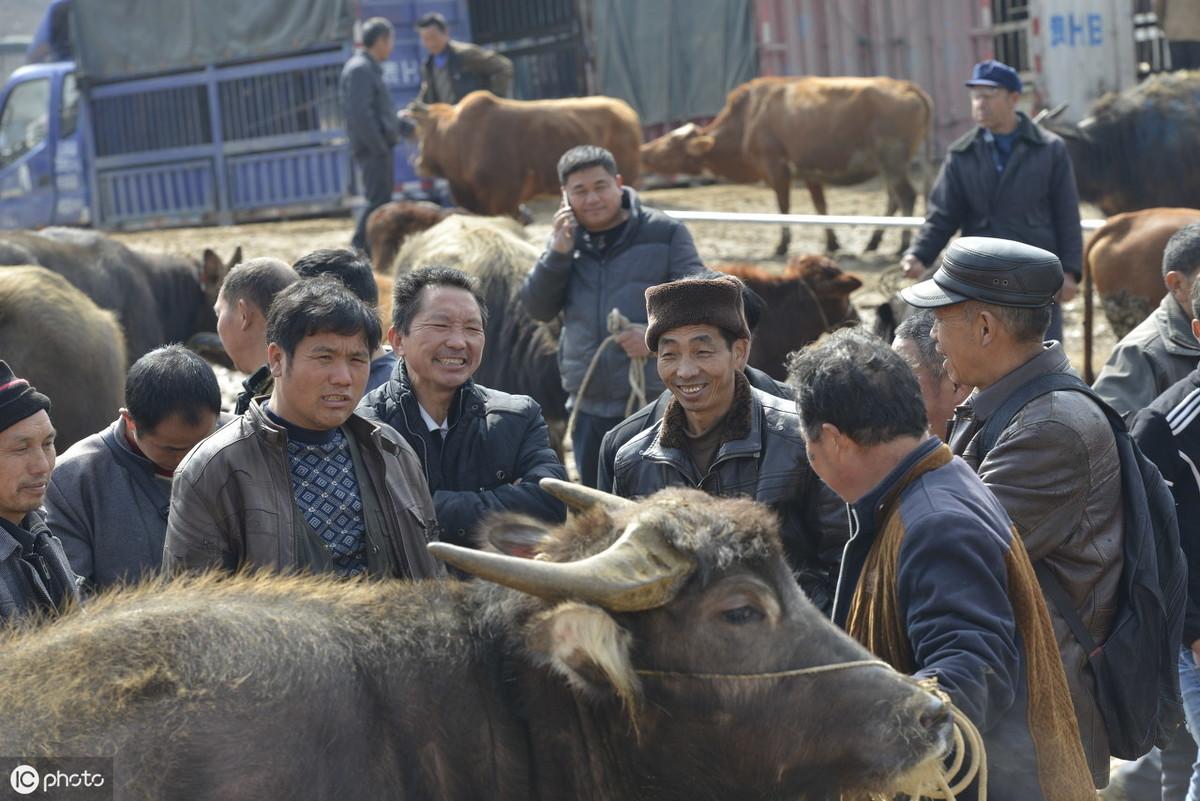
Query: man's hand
633	341
1070	288
912	267
563	236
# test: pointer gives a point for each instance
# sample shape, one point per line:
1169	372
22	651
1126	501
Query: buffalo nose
936	714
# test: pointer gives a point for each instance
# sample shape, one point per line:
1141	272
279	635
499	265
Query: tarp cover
125	38
673	59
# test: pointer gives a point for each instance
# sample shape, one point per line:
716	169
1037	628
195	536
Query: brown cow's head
683	608
427	119
680	151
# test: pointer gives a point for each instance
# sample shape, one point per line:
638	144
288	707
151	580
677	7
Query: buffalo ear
585	645
699	145
515	536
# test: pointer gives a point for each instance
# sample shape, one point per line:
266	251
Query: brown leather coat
232	502
1056	471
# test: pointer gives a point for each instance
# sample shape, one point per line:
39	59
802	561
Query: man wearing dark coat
455	69
34	573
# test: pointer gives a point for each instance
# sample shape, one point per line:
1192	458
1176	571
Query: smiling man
605	250
300	482
34	573
483	450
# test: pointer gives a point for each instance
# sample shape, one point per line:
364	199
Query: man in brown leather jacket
1055	467
301	482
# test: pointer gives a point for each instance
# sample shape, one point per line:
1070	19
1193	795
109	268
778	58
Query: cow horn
641	570
577	496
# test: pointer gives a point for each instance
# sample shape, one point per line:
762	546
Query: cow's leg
888	211
817	193
781	182
906	196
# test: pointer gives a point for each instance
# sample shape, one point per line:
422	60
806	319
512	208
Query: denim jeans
1189	687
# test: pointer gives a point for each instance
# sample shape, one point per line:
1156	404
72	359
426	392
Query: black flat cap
998	271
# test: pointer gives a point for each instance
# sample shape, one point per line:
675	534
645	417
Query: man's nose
341	375
687	368
457	338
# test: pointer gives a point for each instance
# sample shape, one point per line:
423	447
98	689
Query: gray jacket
109	508
1151	357
24	588
367	107
586	284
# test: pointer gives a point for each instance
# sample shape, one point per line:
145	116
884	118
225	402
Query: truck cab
42	171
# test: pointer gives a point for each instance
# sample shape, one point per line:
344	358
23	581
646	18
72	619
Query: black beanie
18	399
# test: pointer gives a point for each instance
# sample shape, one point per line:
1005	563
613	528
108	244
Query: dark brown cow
810	297
838	131
1123	259
499	153
70	349
658	650
390	224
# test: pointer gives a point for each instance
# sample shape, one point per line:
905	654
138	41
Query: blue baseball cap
995	73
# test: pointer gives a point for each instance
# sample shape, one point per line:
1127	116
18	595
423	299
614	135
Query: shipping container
546	41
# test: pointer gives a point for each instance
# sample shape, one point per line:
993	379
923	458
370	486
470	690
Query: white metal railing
756	218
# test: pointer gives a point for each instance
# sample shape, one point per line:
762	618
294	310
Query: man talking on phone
605	250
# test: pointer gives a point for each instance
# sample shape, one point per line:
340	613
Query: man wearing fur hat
34	572
718	433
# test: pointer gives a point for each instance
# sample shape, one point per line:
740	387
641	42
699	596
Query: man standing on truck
371	121
455	69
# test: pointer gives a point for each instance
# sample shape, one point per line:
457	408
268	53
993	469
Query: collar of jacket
1052	359
1175	328
24	535
741	435
362	429
874	507
467	398
454	51
1026	131
629	200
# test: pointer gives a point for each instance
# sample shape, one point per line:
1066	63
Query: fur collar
736	424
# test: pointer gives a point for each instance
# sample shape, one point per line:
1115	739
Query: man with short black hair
300	482
455	69
372	124
110	494
241	308
935	580
483	450
1161	349
358	276
914	342
604	251
1055	466
35	576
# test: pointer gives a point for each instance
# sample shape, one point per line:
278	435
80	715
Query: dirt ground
290	239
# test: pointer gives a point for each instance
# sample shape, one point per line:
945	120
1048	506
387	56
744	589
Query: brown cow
838	131
390	224
809	298
499	153
1123	258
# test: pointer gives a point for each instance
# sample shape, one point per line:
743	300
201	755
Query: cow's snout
935	717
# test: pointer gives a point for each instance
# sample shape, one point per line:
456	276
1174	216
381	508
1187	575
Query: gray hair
917	328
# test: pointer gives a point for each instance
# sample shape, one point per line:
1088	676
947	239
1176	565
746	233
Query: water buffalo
838	131
659	650
158	299
70	349
1137	149
521	354
810	297
498	153
1123	261
390	224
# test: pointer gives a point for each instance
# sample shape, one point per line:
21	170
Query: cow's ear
584	644
699	145
847	283
515	536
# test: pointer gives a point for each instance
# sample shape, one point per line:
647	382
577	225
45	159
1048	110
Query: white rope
617	325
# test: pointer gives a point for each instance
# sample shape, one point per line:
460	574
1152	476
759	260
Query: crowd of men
957	524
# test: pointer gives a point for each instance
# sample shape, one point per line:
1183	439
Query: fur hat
18	399
695	301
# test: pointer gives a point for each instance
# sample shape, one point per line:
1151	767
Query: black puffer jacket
495	439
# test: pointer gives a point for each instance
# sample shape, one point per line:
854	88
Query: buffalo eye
742	615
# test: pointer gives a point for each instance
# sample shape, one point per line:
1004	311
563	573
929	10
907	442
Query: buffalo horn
641	570
577	496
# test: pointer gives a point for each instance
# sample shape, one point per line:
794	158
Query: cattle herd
577	675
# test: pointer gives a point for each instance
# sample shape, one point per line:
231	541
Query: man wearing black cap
34	573
719	434
1006	178
1054	466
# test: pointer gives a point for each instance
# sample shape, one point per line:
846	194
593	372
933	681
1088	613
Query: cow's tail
1089	313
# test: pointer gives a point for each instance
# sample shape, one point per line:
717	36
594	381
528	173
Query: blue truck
157	124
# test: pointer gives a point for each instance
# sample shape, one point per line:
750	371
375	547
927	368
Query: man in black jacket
455	69
1007	178
483	450
34	573
371	121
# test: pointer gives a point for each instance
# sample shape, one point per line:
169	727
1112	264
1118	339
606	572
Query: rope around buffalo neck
617	325
970	757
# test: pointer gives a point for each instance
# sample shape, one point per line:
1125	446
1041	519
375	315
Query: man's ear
275	359
1196	329
245	314
395	340
585	645
741	353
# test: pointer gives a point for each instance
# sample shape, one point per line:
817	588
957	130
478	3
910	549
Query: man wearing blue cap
1007	178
